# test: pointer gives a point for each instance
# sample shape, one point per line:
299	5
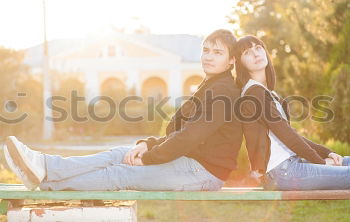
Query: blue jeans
105	171
298	174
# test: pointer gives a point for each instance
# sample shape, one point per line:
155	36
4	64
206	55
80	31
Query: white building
152	65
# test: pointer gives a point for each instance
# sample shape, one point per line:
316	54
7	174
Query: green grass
201	211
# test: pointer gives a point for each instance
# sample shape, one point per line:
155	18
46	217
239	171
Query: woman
275	149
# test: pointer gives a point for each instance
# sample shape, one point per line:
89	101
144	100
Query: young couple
202	141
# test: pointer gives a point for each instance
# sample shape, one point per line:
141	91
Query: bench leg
4	204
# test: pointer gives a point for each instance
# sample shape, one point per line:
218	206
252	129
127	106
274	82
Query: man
198	152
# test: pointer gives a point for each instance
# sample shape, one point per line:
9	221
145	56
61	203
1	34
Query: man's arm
152	141
194	132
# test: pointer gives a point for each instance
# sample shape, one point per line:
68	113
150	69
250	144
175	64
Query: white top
279	151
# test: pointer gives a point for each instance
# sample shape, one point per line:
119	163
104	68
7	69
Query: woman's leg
181	174
60	168
294	174
346	161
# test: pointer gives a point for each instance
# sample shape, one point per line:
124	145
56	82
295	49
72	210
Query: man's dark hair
225	37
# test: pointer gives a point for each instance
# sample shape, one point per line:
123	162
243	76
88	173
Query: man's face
215	58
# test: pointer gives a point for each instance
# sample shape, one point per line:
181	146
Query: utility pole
48	124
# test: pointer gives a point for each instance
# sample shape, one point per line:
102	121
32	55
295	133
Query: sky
21	21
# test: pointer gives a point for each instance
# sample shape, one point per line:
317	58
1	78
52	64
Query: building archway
113	87
154	87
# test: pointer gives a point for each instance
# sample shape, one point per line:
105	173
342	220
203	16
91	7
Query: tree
339	75
296	34
70	110
310	50
340	125
12	72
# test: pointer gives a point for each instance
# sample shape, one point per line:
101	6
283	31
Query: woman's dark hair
242	73
225	37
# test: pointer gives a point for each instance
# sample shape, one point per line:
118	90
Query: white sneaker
19	173
31	162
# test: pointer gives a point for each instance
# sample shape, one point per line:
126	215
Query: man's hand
135	153
330	162
138	162
338	160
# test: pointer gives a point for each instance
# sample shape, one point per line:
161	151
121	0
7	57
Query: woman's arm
321	150
272	118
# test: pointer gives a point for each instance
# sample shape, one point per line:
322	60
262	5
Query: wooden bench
15	193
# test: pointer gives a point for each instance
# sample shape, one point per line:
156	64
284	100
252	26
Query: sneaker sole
19	161
28	184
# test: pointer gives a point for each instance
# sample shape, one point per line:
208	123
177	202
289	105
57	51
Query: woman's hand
338	160
133	156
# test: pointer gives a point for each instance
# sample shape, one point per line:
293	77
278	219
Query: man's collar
217	76
212	79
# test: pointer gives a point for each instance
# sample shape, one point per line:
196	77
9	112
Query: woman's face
215	58
254	58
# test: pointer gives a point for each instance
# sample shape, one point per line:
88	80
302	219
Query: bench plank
12	191
316	195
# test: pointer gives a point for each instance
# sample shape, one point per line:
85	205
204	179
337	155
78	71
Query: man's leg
38	166
60	168
181	174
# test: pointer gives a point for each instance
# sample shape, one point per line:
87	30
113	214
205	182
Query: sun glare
78	18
